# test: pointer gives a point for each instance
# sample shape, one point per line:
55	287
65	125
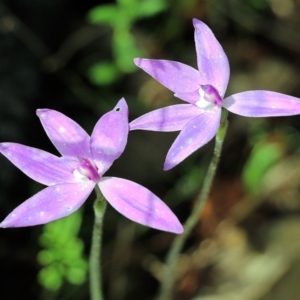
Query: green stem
170	273
95	255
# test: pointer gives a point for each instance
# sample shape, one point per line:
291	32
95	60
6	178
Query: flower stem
170	272
95	255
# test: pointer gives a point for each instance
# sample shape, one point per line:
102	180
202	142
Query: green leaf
259	4
103	73
128	3
125	50
62	252
149	8
50	278
45	257
263	156
106	14
77	273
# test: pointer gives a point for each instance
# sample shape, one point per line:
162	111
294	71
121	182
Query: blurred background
77	57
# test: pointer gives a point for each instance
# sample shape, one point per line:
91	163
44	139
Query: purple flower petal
170	118
37	164
177	77
212	61
196	133
66	135
192	97
138	204
109	136
262	104
50	204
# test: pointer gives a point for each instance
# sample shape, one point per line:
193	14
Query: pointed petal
37	164
50	204
196	133
191	97
67	136
138	204
109	136
213	64
177	77
262	104
170	118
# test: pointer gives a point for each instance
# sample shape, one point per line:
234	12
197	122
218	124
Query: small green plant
62	253
120	18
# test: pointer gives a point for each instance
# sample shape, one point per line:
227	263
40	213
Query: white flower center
202	103
209	97
86	170
79	176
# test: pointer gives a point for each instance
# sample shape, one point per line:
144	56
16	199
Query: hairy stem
95	255
169	278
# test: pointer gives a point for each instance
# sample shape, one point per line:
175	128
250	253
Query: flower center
209	97
87	169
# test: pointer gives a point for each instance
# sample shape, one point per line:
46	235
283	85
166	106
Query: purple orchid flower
204	90
72	177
